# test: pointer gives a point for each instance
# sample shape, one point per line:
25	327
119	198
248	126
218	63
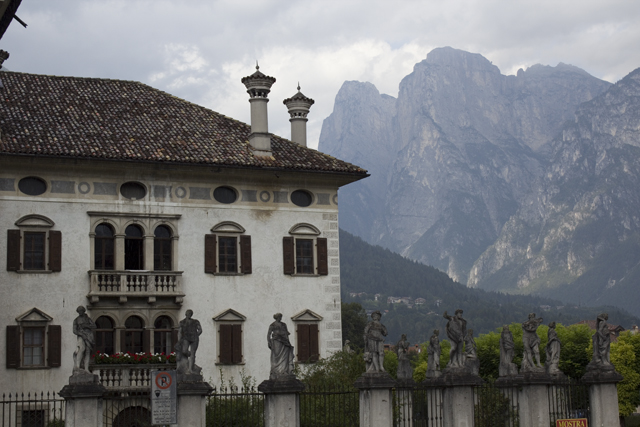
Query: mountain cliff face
454	157
578	234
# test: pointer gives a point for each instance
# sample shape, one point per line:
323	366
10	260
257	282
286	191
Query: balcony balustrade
136	284
127	378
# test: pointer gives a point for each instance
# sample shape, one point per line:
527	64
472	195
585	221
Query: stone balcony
123	285
128	378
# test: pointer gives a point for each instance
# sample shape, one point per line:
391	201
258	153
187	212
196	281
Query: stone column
282	401
83	400
192	402
603	397
458	399
376	399
404	398
534	399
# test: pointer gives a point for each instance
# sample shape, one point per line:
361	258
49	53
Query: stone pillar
282	401
457	397
603	397
404	399
83	400
376	399
534	399
192	403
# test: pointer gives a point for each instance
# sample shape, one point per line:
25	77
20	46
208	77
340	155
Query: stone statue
281	348
456	331
83	327
374	334
433	359
404	364
347	347
601	342
553	351
472	362
507	368
531	342
189	332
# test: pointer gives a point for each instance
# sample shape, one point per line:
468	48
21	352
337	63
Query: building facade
139	206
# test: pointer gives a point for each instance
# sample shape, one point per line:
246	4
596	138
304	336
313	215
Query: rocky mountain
577	235
454	157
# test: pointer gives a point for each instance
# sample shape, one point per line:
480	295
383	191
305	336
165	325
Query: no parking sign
164	400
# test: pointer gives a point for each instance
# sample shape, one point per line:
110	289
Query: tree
623	357
354	320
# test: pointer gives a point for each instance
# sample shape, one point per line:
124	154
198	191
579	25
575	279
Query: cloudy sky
200	49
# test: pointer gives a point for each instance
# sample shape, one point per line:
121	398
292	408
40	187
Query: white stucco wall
257	296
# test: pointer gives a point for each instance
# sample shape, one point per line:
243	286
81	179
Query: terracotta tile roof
122	120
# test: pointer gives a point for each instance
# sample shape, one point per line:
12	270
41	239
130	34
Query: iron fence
420	408
32	410
233	406
568	400
329	407
496	406
127	409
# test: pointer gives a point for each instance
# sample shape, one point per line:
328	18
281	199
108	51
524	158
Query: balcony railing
127	377
140	284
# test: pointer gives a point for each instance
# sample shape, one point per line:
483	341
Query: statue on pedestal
189	332
602	342
553	351
281	348
374	334
531	342
83	328
456	331
433	356
404	364
472	363
507	368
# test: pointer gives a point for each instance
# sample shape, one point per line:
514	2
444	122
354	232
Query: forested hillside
375	270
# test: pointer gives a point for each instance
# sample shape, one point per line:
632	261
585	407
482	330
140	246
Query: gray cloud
199	50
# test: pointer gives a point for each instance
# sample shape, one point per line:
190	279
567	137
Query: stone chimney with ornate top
298	106
258	87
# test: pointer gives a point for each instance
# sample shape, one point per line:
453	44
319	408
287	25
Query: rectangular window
33	418
162	254
104	254
227	255
162	342
104	342
133	341
230	344
304	256
33	347
307	348
34	251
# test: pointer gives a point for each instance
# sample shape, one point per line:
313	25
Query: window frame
307	319
17	245
214	253
162	249
103	332
230	322
51	345
304	232
104	243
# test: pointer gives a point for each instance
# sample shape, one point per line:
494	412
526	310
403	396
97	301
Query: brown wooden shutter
13	346
54	349
323	263
174	339
236	344
55	250
287	250
245	254
314	348
226	344
303	343
13	250
210	253
146	341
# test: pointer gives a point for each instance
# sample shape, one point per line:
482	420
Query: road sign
577	422
164	398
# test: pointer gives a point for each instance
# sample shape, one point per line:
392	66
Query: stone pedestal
458	397
192	401
404	399
83	400
376	399
603	396
534	399
282	401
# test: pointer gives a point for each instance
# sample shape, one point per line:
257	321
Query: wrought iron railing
234	406
329	406
32	410
568	400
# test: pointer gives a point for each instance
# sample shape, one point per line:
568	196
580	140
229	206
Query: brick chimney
258	87
298	106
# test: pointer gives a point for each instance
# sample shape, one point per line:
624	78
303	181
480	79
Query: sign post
164	397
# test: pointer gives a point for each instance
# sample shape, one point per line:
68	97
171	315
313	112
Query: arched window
105	338
133	248
162	248
163	335
104	247
134	335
